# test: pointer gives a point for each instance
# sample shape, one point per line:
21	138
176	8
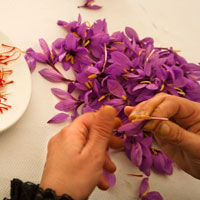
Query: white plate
19	92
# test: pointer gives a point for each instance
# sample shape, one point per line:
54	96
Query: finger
109	166
77	131
118	123
116	142
128	110
183	111
171	133
138	110
101	130
103	183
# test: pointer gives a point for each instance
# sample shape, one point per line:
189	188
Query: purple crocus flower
88	4
145	195
71	54
67	103
161	163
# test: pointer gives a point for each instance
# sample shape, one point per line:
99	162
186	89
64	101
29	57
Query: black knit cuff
30	191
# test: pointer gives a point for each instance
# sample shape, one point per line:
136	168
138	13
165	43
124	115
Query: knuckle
103	129
179	136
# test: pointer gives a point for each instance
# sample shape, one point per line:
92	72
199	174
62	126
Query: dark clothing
30	191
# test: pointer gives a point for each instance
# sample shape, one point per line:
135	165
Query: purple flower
48	56
71	54
145	195
88	4
67	103
161	163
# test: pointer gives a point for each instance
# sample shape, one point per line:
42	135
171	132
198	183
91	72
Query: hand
77	154
179	137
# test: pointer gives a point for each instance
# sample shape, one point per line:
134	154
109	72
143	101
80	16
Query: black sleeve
30	191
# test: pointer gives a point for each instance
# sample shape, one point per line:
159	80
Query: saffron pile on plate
116	69
12	54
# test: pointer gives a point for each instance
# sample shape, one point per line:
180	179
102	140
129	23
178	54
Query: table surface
23	146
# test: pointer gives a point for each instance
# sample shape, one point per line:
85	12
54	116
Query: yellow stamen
88	85
75	34
142	50
180	91
132	69
124	77
176	51
155	151
68	57
162	87
85	34
92	76
118	43
125	70
101	98
145	82
108	98
51	55
91	2
72	60
124	97
88	42
87	22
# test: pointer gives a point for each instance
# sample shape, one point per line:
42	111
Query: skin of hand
179	137
77	154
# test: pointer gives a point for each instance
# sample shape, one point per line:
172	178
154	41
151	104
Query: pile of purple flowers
118	70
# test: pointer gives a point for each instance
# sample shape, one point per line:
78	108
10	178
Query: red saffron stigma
137	175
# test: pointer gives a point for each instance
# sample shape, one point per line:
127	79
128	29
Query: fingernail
135	113
164	130
108	112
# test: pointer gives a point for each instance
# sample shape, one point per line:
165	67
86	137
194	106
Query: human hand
179	137
77	154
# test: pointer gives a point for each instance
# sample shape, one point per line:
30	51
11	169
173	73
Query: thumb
169	132
101	129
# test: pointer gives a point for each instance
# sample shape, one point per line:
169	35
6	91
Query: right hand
179	137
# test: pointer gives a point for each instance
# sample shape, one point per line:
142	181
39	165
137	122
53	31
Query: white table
23	147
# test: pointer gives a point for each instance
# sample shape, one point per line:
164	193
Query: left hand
77	154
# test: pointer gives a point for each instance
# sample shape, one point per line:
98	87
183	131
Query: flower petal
144	186
111	178
136	154
61	117
30	59
51	75
153	196
62	94
66	105
115	88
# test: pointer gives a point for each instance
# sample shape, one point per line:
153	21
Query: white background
23	147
